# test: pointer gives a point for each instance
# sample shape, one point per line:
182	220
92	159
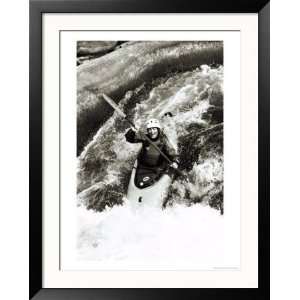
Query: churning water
189	231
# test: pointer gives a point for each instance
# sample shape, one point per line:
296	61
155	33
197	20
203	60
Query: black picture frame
37	8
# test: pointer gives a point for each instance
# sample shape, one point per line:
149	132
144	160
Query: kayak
146	187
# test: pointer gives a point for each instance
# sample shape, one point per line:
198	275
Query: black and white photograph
153	137
150	159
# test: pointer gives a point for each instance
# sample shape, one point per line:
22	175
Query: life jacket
151	156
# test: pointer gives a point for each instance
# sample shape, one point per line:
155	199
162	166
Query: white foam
150	238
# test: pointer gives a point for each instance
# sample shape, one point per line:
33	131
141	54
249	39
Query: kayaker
149	156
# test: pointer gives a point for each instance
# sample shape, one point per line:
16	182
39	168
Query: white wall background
14	111
285	149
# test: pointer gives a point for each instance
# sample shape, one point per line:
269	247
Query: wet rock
95	47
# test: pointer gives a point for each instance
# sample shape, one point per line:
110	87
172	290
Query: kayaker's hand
137	131
174	165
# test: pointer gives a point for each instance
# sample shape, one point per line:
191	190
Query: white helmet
153	123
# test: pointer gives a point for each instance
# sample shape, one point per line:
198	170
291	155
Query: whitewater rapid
150	238
188	233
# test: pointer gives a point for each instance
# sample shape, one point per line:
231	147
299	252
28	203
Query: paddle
121	113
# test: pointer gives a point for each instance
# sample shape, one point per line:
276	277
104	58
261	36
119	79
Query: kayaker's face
153	133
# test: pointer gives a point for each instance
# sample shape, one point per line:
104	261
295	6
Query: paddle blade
114	105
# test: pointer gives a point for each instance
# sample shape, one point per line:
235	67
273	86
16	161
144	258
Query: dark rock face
128	67
87	50
94	47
